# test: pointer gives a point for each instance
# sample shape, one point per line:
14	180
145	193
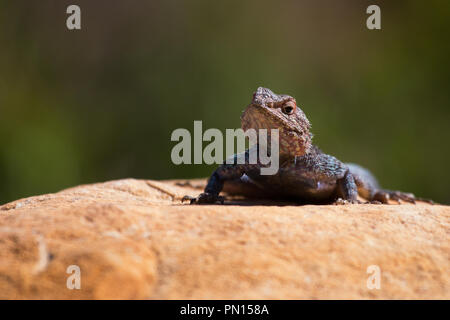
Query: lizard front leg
347	190
215	183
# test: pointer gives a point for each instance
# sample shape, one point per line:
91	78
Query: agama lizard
306	174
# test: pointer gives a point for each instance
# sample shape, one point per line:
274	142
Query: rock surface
133	239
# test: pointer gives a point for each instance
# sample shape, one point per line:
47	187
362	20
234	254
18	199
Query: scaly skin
306	174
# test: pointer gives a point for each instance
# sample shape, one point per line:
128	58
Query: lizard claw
187	198
397	196
204	198
373	202
341	201
425	200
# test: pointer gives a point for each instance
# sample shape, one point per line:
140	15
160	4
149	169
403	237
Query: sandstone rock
133	239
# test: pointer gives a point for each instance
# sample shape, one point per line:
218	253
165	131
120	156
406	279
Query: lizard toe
341	201
204	198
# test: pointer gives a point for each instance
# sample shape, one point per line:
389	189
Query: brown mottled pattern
264	112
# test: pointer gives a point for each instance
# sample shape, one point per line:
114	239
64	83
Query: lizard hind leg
369	189
385	195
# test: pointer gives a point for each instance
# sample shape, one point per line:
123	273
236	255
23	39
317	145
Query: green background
100	103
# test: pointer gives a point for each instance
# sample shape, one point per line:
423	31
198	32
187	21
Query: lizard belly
308	189
290	184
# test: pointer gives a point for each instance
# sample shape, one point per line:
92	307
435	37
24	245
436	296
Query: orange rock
133	239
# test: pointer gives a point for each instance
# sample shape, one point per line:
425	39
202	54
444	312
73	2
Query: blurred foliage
100	103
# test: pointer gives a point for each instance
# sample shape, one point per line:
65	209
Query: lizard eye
288	108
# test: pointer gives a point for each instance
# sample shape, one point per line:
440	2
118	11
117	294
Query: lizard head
268	110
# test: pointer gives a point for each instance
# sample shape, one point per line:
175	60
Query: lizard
305	174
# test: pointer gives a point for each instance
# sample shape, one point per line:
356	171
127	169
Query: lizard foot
204	198
341	201
385	195
373	202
